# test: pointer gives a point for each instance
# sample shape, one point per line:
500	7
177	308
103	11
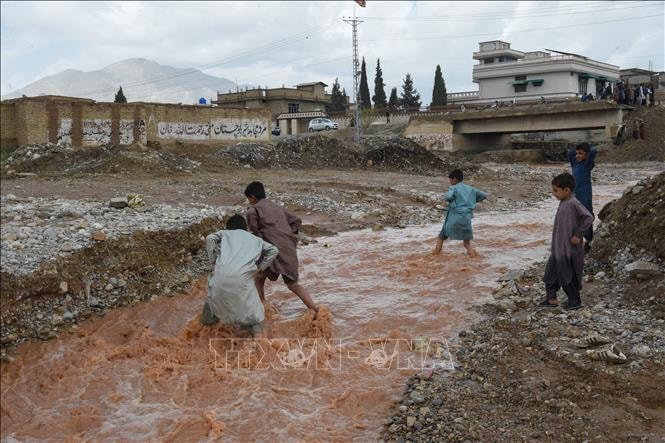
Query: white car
320	124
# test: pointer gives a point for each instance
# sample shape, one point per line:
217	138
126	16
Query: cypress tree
120	96
364	100
379	97
439	96
337	98
410	98
393	103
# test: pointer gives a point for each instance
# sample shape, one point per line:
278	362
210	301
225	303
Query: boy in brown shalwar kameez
278	226
566	263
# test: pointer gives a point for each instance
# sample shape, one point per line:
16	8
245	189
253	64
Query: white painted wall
554	83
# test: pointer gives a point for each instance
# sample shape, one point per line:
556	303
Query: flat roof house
503	73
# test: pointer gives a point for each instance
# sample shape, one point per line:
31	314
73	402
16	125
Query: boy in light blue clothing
462	200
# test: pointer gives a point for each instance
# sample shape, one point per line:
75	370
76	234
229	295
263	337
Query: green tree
364	100
410	97
379	97
337	98
120	96
439	96
393	102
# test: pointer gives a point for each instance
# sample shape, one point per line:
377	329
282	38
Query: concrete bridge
490	129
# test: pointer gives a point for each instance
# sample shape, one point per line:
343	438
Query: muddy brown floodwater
151	372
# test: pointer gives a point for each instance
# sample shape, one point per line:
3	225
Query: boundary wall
84	123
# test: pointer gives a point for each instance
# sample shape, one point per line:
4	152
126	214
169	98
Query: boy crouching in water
566	263
237	257
462	200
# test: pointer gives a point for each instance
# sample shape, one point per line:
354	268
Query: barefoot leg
301	292
439	245
260	282
469	249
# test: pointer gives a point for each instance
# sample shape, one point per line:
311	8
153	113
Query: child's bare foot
472	253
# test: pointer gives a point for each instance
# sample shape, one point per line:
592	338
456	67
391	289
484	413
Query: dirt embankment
53	160
113	273
387	153
529	374
651	148
637	220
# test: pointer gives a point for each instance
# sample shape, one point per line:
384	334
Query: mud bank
116	272
525	374
147	371
521	377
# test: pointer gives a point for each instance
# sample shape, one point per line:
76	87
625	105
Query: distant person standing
639	95
582	161
621	88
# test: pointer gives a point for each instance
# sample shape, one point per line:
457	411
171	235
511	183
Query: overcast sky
275	43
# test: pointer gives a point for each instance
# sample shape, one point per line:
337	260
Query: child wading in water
566	263
237	256
279	227
582	160
462	200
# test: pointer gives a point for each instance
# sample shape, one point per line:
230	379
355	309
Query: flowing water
151	372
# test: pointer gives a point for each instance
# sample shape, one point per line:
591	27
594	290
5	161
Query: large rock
643	269
118	202
513	274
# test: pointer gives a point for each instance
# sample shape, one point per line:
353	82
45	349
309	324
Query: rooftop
311	84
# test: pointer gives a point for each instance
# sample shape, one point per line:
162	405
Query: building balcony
557	63
480	55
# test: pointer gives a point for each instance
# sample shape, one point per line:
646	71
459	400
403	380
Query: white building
504	74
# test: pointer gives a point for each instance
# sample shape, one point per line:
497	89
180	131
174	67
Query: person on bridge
275	224
462	200
566	263
237	257
582	160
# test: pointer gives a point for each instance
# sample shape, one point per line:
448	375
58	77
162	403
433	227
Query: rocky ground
525	374
83	233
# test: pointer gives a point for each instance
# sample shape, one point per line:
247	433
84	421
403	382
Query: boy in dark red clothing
278	226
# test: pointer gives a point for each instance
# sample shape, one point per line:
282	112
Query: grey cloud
46	37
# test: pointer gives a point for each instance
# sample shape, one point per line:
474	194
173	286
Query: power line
522	16
517	14
194	88
452	37
212	85
271	46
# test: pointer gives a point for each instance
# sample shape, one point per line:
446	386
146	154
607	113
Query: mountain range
141	80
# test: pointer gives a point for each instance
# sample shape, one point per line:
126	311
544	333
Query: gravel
38	230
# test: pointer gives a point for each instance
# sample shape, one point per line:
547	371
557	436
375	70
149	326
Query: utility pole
356	73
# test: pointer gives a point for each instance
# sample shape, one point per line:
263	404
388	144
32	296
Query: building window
584	82
521	87
294	107
487	61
